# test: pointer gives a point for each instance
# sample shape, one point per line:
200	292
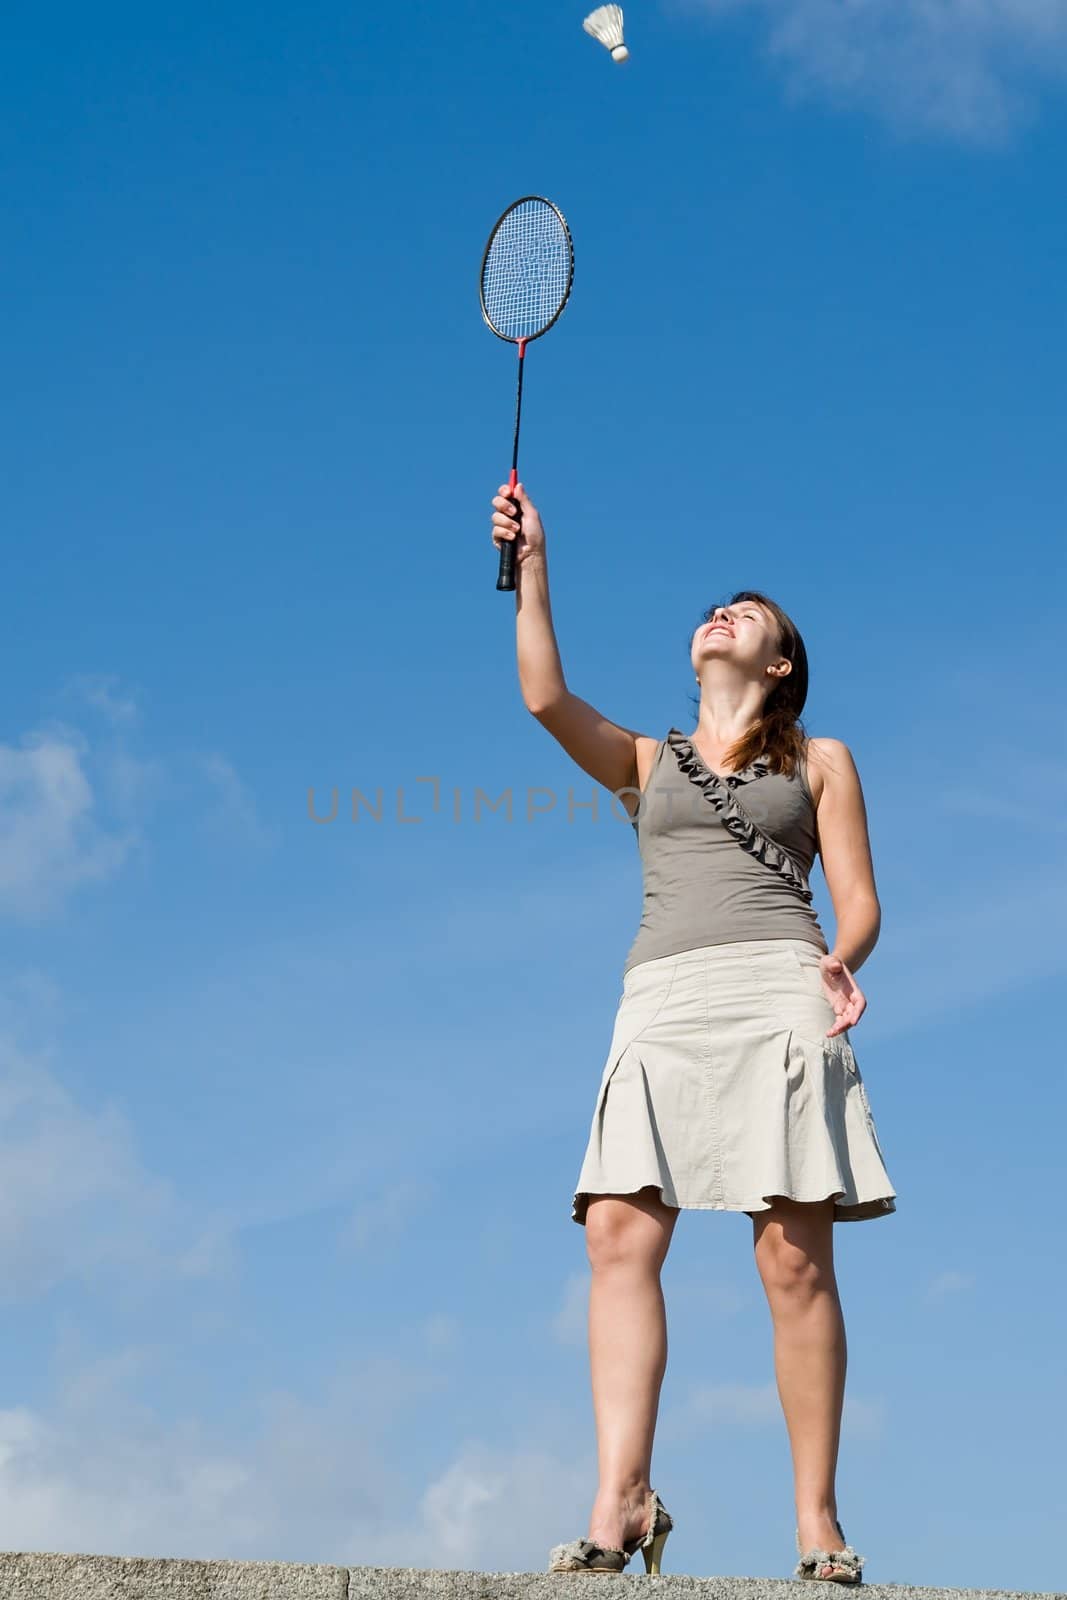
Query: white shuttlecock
605	24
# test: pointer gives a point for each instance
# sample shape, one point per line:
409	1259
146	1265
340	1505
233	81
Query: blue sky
291	1113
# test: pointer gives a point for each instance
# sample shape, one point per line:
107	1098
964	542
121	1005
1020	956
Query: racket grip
505	578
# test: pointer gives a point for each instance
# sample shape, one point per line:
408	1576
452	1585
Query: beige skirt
722	1090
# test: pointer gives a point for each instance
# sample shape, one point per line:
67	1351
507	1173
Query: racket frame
506	573
526	200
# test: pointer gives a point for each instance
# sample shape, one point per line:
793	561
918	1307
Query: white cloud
709	1300
950	1281
497	1510
384	1218
30	1003
72	813
307	1481
235	806
865	1418
104	692
734	1404
50	840
106	1479
967	68
1048	777
701	1301
441	1331
950	955
99	1468
696	1299
83	1201
709	1406
570	1323
132	785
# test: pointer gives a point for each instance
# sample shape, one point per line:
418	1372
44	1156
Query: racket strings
527	272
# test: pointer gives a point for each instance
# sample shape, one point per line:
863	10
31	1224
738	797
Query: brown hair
779	735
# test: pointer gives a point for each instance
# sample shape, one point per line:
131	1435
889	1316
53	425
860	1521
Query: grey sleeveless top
723	858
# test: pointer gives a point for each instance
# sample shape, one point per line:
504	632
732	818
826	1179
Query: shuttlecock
605	24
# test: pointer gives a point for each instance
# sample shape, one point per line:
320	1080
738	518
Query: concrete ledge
62	1577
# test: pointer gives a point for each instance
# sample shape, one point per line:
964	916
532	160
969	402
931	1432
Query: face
745	634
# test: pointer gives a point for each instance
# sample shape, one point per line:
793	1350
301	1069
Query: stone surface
64	1577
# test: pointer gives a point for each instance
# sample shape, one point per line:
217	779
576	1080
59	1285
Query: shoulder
646	746
830	764
829	753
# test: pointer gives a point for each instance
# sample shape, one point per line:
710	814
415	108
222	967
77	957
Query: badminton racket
526	277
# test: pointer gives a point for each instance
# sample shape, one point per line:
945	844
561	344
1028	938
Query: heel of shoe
654	1552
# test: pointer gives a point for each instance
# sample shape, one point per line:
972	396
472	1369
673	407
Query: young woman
731	1083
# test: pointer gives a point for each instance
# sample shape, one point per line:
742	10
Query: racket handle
505	578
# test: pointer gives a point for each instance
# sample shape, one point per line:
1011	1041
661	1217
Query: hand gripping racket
526	278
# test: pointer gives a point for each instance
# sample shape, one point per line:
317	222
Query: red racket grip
505	578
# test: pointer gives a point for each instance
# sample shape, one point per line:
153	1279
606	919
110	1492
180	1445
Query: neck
725	716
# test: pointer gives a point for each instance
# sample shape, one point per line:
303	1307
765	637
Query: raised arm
603	749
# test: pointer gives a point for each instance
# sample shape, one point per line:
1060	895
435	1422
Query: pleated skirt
722	1090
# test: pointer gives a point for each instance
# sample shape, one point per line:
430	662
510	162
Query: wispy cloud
381	1220
950	1281
571	1321
946	957
1011	760
74	809
99	1471
730	1405
31	1002
51	841
698	1298
441	1331
87	1210
970	69
707	1407
710	1300
82	1196
712	1406
235	808
106	693
496	1510
863	1417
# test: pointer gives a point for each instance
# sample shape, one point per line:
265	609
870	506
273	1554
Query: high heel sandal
585	1555
812	1561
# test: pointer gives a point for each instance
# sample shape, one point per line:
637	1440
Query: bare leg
794	1253
627	1237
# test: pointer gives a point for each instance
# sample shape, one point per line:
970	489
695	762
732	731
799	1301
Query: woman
730	1083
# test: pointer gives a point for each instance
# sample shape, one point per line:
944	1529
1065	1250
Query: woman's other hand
843	993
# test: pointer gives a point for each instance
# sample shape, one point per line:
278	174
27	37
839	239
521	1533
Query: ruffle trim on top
735	818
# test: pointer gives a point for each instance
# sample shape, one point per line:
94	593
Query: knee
788	1271
607	1243
614	1241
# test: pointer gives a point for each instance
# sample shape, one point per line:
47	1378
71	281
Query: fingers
516	496
847	1017
505	524
515	517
